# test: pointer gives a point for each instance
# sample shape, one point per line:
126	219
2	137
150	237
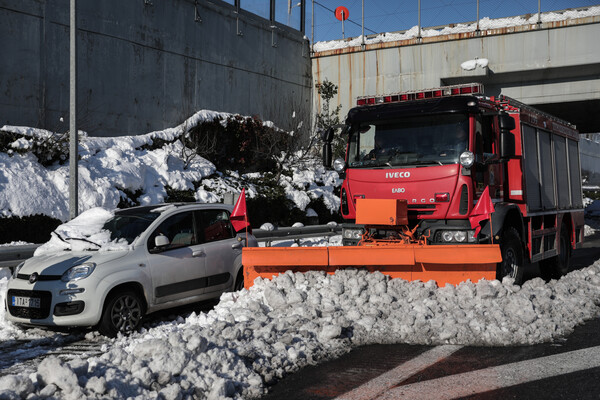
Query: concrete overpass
554	66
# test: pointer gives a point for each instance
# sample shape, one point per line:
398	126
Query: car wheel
123	313
555	267
512	264
239	281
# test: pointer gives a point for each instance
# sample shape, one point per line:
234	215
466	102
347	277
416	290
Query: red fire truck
438	149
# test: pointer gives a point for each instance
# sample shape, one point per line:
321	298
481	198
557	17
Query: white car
166	256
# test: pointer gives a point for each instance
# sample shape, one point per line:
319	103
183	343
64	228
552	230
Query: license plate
31	302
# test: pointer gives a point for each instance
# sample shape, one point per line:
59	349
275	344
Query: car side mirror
161	241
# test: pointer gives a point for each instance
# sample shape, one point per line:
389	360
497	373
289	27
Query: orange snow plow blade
399	256
444	264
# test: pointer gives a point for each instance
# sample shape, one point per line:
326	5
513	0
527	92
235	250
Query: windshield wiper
85	240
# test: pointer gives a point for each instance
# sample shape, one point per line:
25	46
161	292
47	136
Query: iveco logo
33	277
403	174
398	190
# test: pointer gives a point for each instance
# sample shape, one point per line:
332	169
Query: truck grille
29	312
420	209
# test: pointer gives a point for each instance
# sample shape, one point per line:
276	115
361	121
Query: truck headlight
78	272
467	159
352	233
456	236
339	165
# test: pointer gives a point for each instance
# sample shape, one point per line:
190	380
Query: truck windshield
422	140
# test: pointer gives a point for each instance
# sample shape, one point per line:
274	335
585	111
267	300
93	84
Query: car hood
58	263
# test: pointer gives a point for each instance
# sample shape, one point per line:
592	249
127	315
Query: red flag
239	218
482	210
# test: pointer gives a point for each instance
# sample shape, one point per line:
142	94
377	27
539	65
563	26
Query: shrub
32	229
129	198
178	196
243	144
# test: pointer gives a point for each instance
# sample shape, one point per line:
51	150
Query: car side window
214	225
178	229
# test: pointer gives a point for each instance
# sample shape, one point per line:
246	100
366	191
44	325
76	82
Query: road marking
493	378
384	382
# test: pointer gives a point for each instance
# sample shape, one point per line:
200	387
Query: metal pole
363	24
419	5
73	139
343	34
477	16
539	11
312	26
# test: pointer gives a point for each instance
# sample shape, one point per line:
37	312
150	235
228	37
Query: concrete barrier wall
144	67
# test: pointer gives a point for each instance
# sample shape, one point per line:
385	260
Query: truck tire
123	312
513	261
555	267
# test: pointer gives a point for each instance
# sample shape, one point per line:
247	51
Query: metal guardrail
11	256
296	233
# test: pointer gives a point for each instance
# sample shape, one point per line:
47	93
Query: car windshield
129	225
422	140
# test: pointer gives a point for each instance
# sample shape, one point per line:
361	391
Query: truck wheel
123	313
555	267
239	281
512	264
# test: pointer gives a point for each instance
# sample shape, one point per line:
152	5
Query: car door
178	269
220	247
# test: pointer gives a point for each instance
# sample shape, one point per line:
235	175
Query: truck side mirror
327	135
327	154
507	139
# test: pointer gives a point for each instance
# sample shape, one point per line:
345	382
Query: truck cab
439	149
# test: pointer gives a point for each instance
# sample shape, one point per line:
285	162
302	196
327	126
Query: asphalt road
569	369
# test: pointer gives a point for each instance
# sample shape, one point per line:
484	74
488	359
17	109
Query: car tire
513	261
555	267
239	281
123	312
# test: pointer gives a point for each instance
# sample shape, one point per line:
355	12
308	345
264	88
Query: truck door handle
236	246
197	253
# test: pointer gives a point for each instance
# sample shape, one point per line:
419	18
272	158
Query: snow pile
484	24
108	166
472	64
252	338
83	233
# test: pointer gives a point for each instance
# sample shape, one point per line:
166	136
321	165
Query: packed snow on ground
484	24
252	338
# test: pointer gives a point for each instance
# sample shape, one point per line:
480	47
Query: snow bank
252	338
109	165
484	24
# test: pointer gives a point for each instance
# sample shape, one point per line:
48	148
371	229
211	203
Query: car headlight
467	159
17	269
78	272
